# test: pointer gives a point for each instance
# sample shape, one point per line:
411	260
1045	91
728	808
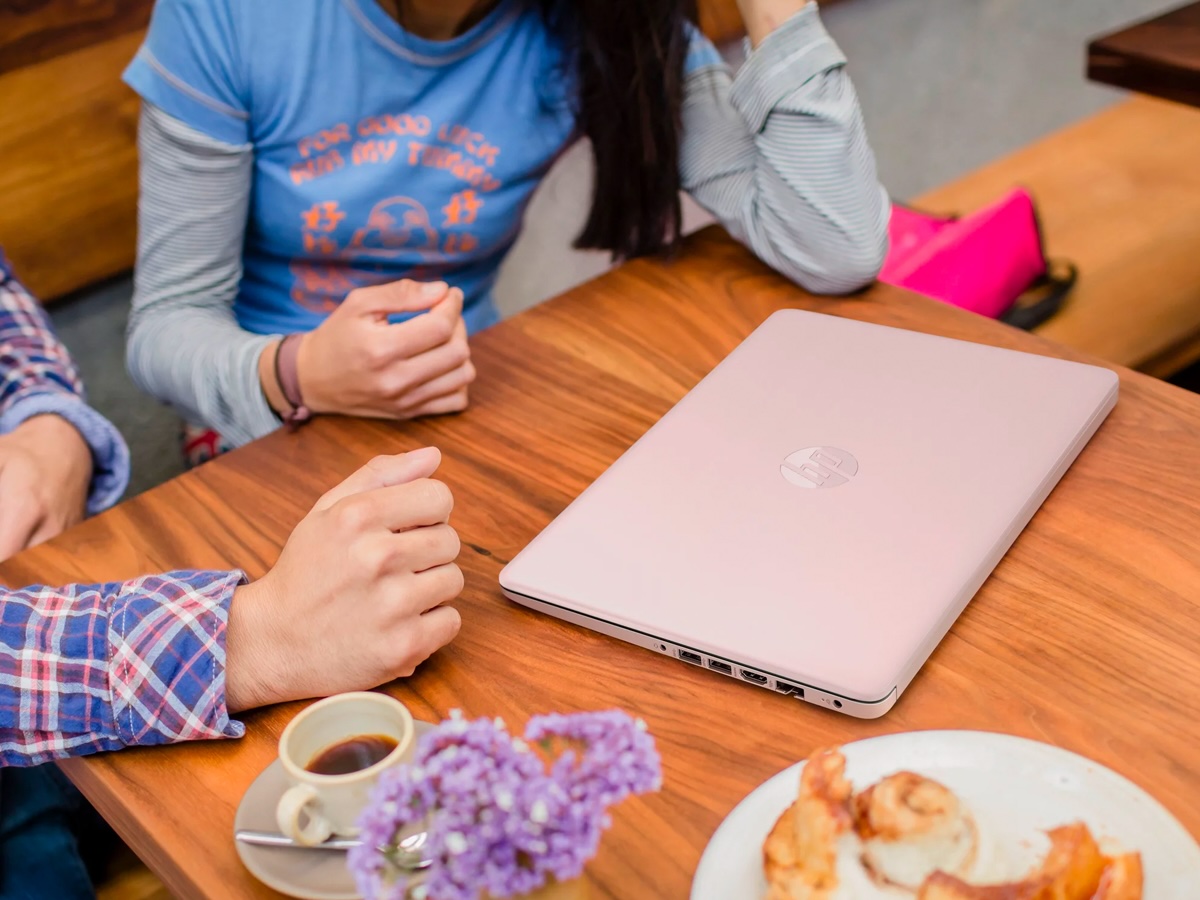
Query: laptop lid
822	505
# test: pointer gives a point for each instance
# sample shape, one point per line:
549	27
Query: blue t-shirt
378	155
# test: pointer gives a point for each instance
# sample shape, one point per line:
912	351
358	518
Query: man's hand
764	16
356	599
358	364
45	472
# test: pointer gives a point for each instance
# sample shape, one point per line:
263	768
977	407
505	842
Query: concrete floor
946	85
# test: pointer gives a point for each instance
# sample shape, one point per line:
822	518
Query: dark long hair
627	57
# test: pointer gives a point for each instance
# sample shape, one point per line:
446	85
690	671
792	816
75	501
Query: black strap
1044	297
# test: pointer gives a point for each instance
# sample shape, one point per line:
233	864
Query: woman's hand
764	16
45	471
356	363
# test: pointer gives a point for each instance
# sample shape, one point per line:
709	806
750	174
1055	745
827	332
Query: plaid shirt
100	667
37	377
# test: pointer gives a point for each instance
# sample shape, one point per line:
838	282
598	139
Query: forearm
205	366
815	203
781	157
38	378
185	346
90	668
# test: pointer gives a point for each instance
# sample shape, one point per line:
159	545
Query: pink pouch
985	262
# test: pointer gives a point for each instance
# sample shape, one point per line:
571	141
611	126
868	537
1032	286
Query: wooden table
1160	56
1087	636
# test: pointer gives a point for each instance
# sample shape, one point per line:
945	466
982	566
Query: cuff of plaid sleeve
110	455
791	55
167	658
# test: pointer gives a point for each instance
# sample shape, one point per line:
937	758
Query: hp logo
819	467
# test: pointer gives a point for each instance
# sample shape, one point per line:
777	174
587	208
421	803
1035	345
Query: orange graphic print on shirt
395	225
400	236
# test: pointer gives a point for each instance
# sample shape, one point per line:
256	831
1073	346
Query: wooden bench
1119	195
68	156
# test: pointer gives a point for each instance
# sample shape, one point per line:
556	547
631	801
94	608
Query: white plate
1015	788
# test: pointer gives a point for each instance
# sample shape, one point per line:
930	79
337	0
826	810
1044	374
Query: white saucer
1015	788
307	874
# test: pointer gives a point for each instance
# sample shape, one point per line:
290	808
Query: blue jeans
46	829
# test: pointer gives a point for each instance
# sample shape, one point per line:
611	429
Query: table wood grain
1087	636
1160	56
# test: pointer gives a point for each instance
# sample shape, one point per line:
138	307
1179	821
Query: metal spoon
407	855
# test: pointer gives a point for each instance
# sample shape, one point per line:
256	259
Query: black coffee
352	755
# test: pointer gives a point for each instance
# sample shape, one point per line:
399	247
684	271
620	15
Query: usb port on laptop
717	666
694	658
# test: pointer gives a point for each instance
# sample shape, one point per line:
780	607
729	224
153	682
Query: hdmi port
693	658
753	676
717	666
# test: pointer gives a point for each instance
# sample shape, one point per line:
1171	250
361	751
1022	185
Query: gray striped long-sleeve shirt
778	154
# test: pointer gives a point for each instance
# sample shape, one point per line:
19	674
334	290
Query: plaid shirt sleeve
90	668
38	377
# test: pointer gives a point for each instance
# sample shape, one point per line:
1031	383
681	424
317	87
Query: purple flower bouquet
506	816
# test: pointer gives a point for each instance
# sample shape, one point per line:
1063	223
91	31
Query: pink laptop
814	515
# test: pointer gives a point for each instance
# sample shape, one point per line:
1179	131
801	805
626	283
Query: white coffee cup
331	804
